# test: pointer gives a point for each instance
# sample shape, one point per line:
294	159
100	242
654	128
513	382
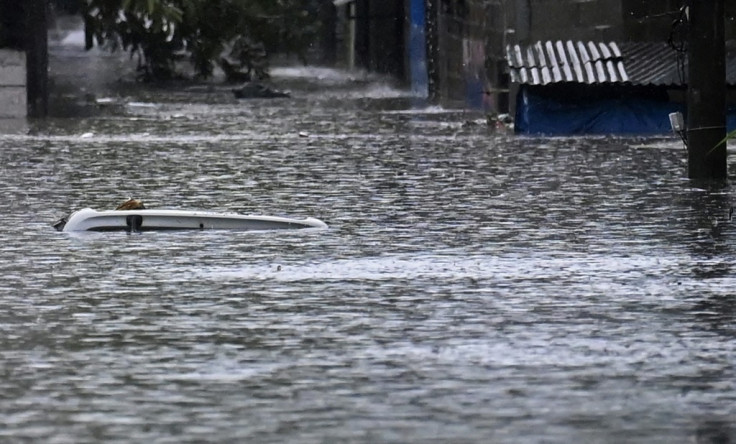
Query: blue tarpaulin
536	114
553	114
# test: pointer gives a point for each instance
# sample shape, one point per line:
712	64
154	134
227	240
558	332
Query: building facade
23	29
466	58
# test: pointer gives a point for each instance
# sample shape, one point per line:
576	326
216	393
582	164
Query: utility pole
706	91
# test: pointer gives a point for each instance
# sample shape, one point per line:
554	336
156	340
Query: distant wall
466	53
458	46
386	44
649	21
652	20
371	35
601	20
24	26
566	20
466	39
13	97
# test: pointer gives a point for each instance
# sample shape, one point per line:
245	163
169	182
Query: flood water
472	287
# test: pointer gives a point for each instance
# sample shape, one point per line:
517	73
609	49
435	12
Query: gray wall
565	20
13	97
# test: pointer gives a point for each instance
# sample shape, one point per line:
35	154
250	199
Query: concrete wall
451	27
385	20
652	20
13	96
456	47
370	35
467	51
649	21
466	39
565	20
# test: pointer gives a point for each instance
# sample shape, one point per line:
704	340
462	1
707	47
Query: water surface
473	286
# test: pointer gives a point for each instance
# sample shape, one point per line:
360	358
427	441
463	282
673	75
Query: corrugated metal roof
637	63
654	63
554	62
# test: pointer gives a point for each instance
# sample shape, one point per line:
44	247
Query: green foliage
163	32
729	136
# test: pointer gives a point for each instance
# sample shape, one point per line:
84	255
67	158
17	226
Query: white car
139	220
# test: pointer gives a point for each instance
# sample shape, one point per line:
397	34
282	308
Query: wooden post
706	92
37	57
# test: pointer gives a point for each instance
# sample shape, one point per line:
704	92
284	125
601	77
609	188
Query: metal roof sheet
637	63
552	62
654	63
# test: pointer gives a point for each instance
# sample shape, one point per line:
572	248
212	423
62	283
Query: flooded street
472	287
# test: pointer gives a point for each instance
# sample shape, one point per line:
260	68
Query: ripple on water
472	286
